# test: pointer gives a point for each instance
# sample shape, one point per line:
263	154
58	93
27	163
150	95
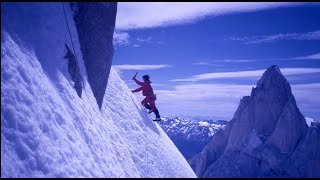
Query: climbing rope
147	162
65	16
75	55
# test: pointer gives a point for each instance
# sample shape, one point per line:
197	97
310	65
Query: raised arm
138	82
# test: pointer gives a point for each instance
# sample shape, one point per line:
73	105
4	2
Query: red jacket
145	87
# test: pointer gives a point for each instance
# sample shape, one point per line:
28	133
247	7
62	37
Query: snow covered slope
47	130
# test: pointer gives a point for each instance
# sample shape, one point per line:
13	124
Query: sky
202	58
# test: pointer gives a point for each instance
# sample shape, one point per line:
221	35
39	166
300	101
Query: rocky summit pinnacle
273	77
266	129
273	85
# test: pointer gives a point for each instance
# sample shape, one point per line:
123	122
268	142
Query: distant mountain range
190	135
199	117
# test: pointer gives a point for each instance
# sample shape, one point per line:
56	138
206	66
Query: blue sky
203	57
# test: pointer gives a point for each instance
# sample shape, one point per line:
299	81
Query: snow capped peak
309	121
189	135
203	123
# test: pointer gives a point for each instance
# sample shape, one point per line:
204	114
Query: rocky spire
261	111
274	84
266	126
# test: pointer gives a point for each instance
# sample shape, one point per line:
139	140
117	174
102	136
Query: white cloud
312	57
246	74
160	85
314	35
133	85
147	40
220	62
223	99
206	64
202	99
134	15
308	98
120	38
213	62
235	60
139	67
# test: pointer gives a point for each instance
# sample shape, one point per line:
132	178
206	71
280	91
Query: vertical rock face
211	152
265	130
74	70
32	22
95	22
305	160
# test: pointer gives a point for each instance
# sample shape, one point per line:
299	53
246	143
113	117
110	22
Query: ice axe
135	76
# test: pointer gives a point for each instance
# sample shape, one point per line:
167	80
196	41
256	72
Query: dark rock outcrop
74	70
305	160
95	22
31	23
266	132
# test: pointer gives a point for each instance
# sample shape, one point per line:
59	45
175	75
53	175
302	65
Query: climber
149	101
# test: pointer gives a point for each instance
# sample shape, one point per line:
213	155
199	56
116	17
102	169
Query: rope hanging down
65	16
75	55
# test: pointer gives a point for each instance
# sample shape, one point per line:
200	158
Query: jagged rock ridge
266	131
